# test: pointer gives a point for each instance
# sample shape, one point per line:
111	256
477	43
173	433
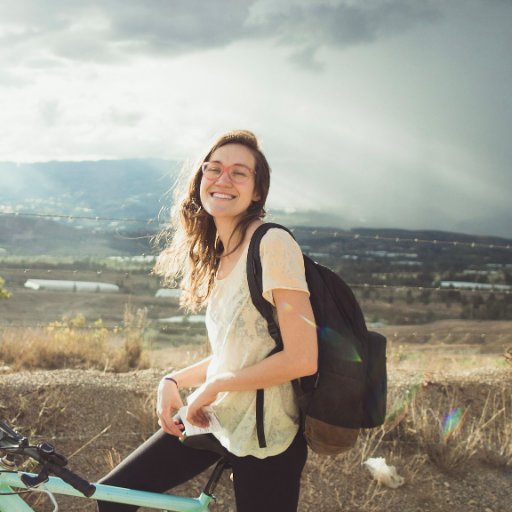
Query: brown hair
194	249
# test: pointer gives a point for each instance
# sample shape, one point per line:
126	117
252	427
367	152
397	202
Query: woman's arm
193	375
298	358
168	396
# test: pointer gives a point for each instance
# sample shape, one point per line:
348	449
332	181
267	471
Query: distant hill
30	236
27	236
104	188
84	203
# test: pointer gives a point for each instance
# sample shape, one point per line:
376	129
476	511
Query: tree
4	294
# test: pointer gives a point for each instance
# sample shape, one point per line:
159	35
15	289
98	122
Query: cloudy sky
380	113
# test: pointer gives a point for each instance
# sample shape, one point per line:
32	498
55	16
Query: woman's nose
224	179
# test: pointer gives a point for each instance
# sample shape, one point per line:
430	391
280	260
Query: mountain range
105	188
102	207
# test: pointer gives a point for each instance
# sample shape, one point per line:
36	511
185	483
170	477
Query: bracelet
172	380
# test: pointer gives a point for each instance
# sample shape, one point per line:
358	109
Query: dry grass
415	436
4	294
434	427
452	433
77	343
450	345
44	412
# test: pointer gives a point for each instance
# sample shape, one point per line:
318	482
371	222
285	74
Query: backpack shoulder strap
255	282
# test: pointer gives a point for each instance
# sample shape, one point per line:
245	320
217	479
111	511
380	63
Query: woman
212	226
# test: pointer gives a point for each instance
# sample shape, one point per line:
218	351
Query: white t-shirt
239	338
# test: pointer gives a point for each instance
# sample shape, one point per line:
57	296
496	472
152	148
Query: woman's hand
167	404
203	396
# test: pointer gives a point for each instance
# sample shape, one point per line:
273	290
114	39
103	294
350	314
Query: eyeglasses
238	173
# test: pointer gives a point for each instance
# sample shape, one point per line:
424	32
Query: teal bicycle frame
10	480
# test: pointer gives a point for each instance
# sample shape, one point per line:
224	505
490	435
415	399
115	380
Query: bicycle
15	482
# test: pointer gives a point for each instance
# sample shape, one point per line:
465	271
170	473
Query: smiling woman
196	243
213	221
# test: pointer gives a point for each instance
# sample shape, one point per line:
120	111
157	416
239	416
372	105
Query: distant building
173	293
468	285
193	319
133	259
71	286
388	254
407	263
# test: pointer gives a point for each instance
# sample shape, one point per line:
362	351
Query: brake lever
47	452
11	433
33	481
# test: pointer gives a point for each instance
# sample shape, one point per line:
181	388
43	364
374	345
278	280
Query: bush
73	343
4	294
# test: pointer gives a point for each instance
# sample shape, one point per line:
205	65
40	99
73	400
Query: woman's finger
198	418
171	426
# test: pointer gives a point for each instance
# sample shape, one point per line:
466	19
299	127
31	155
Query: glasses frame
225	169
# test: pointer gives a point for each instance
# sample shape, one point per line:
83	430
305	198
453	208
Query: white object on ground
383	473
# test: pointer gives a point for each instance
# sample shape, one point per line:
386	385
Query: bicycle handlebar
45	454
76	481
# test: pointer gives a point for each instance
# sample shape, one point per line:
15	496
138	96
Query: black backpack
349	390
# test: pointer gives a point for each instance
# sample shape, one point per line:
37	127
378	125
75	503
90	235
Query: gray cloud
419	100
176	27
346	23
113	30
307	58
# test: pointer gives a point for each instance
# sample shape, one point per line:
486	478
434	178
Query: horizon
163	178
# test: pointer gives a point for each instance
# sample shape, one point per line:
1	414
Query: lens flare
308	321
346	348
398	410
287	308
452	422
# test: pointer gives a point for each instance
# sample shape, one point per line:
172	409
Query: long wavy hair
193	248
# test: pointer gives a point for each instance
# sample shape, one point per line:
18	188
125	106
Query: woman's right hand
167	405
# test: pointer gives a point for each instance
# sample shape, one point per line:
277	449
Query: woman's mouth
219	195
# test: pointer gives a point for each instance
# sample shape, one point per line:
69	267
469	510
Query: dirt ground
97	418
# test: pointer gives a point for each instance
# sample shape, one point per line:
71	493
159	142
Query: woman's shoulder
278	246
276	235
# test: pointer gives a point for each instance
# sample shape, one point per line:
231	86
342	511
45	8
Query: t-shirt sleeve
282	263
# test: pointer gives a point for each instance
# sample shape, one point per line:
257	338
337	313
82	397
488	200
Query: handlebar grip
81	485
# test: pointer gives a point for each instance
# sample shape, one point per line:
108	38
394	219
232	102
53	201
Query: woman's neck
229	236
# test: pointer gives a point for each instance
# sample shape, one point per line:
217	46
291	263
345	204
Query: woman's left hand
203	396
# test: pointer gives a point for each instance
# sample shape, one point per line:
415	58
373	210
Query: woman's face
220	196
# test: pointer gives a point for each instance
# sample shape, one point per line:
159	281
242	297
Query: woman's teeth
221	196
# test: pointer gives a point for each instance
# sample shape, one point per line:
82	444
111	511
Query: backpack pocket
338	400
332	420
326	439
